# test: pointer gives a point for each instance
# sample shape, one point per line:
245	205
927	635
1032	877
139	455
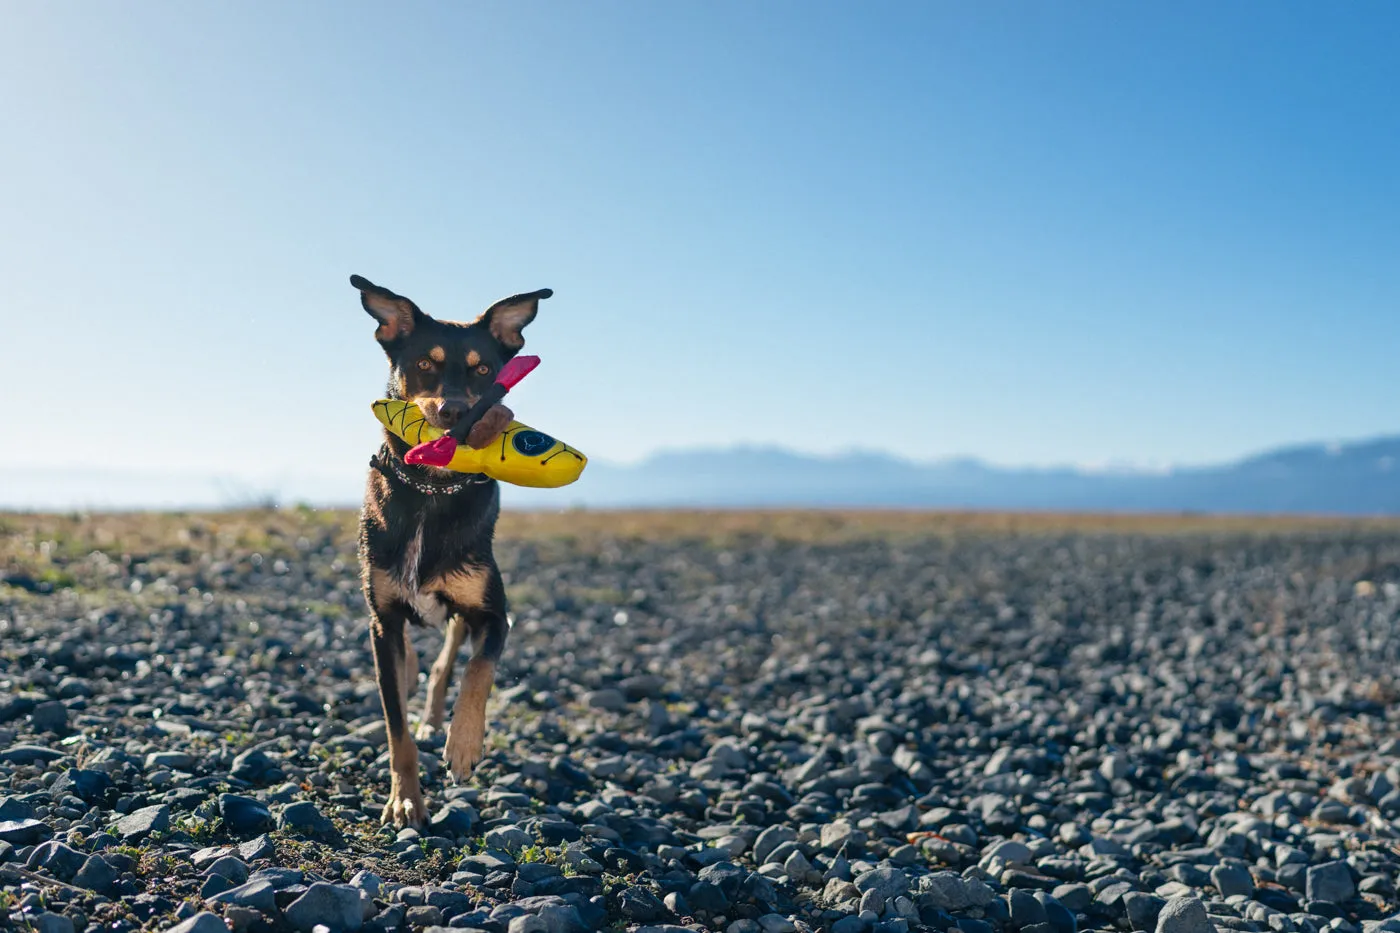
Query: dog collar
385	458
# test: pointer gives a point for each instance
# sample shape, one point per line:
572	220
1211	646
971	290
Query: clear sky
1039	233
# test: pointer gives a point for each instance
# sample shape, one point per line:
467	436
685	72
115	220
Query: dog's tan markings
437	354
436	706
384	588
405	806
464	588
408	683
473	358
467	731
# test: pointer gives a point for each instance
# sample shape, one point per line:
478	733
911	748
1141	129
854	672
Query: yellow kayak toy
521	455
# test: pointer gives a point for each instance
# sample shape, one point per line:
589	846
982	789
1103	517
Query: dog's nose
451	411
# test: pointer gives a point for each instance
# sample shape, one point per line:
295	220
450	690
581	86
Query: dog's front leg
436	707
388	628
466	733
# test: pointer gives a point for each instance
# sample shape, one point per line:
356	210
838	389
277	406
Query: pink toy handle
517	369
436	453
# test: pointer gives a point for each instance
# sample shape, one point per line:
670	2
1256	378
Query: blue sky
1035	233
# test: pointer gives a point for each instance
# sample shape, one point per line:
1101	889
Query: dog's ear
508	317
397	316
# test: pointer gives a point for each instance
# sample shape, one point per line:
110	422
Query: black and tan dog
425	533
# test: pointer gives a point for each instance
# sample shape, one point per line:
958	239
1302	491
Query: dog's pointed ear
508	317
397	316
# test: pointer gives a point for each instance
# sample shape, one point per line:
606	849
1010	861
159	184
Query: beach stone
255	895
139	824
1184	915
1330	881
244	816
305	819
884	883
204	922
96	875
337	906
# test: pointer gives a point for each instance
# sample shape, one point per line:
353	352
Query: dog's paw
404	809
425	731
463	749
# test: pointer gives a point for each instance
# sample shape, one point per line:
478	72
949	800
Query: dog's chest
430	608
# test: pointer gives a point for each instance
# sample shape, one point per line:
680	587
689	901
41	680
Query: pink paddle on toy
439	453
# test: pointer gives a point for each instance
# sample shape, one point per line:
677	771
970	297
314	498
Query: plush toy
521	455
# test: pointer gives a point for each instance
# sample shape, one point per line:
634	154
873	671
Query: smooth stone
139	824
770	839
29	754
1184	915
244	816
259	847
1330	881
1232	879
886	883
255	895
1025	909
335	905
97	875
92	787
25	832
1143	910
200	923
1011	852
304	818
231	868
49	922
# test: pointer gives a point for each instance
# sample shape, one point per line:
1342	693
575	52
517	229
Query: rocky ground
830	725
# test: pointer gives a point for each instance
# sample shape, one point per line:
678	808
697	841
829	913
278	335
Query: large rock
96	875
884	882
50	716
305	819
244	816
770	839
1184	915
228	867
29	754
50	922
23	832
59	860
256	767
337	906
12	808
255	895
1331	881
92	787
138	824
200	923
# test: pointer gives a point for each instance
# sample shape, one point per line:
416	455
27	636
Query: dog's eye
483	370
425	365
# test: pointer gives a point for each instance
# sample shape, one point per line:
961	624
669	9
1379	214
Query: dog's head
445	366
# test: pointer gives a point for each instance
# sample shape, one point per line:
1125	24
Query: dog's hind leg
388	638
467	733
436	705
408	685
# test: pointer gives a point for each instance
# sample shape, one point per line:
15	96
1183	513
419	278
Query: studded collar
385	462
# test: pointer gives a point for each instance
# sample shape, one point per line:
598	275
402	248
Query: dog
426	533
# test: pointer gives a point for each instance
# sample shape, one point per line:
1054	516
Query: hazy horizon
742	476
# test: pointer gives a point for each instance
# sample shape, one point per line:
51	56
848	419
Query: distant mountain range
1355	479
